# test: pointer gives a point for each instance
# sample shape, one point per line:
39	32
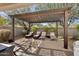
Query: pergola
53	15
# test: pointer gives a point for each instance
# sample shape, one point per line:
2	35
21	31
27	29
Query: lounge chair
29	35
8	51
38	34
52	36
43	35
34	46
29	47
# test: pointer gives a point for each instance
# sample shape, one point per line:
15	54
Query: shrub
34	28
46	29
53	29
2	21
77	27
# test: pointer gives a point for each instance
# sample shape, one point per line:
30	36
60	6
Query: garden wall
71	31
18	30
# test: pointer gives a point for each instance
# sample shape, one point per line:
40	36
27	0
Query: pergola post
65	30
13	28
57	29
13	31
29	26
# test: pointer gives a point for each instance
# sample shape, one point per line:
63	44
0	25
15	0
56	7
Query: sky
4	15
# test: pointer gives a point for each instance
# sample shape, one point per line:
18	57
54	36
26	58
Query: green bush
52	29
2	21
77	27
34	28
46	29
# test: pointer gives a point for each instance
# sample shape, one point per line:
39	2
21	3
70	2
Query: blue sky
4	15
76	21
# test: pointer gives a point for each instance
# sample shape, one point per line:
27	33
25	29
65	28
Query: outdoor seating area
42	48
40	33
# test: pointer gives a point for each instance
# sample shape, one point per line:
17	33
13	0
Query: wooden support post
13	28
65	30
57	29
13	31
29	26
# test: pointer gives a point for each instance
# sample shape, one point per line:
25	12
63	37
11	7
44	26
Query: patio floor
47	48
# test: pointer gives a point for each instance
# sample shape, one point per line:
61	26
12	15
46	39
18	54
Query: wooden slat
45	11
41	15
10	6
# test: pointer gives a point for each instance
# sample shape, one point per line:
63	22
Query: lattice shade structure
53	15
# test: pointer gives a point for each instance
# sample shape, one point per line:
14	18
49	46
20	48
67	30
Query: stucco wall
19	30
71	31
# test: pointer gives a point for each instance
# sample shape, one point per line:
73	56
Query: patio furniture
6	49
29	35
34	46
23	44
52	36
43	35
28	47
38	34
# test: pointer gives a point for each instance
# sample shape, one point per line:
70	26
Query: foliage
45	28
77	27
53	29
34	28
2	21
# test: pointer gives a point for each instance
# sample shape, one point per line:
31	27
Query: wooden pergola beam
41	15
53	11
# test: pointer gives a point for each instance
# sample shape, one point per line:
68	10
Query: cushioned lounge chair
43	35
29	47
34	46
52	36
38	34
29	35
